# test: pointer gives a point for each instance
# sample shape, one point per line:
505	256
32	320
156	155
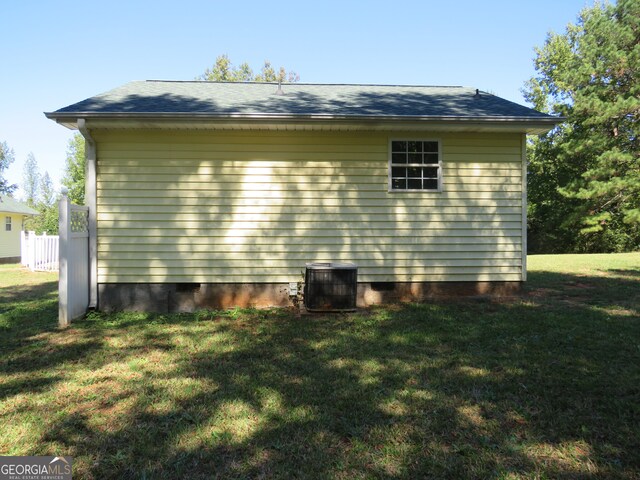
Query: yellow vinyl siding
207	206
10	241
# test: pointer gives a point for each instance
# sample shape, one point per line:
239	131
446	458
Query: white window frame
390	188
7	224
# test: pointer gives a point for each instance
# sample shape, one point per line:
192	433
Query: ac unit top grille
331	266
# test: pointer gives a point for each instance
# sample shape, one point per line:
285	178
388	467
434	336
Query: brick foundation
6	260
187	297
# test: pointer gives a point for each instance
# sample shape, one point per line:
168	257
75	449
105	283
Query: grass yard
542	386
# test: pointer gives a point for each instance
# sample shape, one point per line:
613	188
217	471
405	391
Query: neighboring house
12	215
217	194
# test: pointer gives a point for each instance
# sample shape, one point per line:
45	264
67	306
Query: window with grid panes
415	165
7	224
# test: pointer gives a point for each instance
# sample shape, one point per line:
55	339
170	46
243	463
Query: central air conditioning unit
330	287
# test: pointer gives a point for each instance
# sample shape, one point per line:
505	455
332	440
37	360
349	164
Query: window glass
430	184
414	184
399	158
430	147
399	183
414	147
399	146
431	158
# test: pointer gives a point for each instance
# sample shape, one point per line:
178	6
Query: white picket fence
40	252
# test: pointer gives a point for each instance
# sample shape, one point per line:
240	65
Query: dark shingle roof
299	100
11	205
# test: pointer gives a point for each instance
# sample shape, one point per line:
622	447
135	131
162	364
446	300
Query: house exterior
217	194
12	214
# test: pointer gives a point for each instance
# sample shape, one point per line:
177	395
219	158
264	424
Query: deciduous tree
6	158
224	71
47	218
74	170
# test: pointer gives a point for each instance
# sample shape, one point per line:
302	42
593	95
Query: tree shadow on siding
330	207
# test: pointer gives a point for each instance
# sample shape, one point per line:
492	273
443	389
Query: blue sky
56	53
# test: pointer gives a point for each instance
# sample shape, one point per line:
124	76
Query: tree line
38	190
584	176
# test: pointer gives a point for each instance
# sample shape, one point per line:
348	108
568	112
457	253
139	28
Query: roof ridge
305	83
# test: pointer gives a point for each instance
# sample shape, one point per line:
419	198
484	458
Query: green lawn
542	386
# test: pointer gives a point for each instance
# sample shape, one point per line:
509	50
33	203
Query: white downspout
523	180
90	200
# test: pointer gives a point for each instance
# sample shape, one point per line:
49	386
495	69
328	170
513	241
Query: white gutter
264	123
90	200
64	117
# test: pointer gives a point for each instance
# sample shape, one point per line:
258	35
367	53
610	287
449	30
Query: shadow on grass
28	359
542	386
27	309
626	272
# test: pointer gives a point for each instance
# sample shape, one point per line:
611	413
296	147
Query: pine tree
31	180
47	193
